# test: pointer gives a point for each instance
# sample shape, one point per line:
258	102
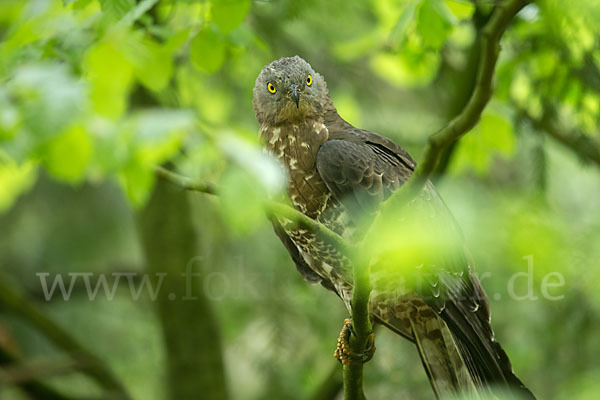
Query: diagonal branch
14	302
32	387
468	118
184	182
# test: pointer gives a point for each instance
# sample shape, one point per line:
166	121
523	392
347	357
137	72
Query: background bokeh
95	93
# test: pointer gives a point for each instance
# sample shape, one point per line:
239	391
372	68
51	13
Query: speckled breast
296	146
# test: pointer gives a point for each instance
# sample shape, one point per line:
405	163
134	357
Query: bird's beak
294	94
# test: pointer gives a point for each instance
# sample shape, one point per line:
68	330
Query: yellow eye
309	80
271	88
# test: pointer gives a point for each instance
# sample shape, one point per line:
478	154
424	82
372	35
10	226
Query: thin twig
34	388
583	145
96	368
184	182
272	208
32	370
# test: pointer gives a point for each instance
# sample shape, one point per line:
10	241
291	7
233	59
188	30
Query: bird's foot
342	351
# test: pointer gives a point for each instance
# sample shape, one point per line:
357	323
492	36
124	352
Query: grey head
289	89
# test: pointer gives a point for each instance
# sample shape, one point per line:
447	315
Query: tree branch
583	145
184	182
33	387
490	48
97	369
361	323
272	209
22	372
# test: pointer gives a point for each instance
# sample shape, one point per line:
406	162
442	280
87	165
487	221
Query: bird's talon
342	351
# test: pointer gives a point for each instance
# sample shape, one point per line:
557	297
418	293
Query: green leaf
460	9
152	64
520	88
228	14
410	68
15	179
434	23
117	8
68	155
154	137
77	4
211	102
10	118
49	98
207	50
111	76
137	180
158	134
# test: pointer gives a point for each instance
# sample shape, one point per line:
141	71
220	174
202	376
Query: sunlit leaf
207	50
49	98
153	137
152	63
14	180
158	134
137	180
461	9
520	88
406	69
111	75
9	116
117	8
433	23
67	155
228	14
212	103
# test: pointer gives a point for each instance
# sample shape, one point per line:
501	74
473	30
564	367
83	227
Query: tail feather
486	360
445	367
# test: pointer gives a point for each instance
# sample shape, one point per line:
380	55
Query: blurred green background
95	93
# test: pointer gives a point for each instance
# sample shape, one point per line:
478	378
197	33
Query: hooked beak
294	94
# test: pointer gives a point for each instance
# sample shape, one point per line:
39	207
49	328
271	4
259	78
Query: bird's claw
343	353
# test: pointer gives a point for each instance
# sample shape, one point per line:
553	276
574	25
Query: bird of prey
338	175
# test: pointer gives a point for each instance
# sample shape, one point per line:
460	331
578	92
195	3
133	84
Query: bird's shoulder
378	145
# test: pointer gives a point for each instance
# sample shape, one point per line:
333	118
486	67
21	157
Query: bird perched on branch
338	175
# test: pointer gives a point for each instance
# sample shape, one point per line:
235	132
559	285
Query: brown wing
361	169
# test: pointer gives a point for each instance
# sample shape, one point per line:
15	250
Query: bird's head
288	89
